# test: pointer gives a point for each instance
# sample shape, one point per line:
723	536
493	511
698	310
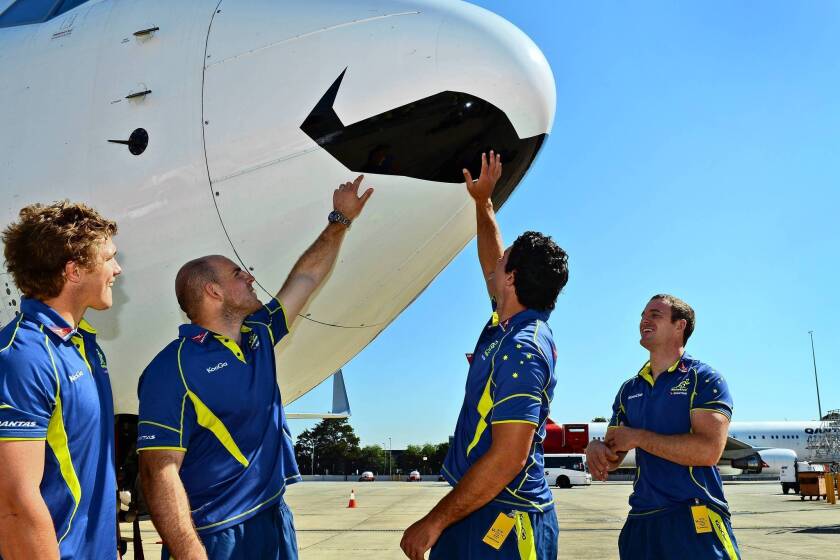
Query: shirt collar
200	335
42	313
681	364
524	316
196	333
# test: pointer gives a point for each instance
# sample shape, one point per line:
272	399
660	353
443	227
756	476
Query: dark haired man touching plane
675	413
501	506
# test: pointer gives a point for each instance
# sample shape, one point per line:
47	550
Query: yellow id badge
499	531
702	523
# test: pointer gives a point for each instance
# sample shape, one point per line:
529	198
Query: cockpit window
26	12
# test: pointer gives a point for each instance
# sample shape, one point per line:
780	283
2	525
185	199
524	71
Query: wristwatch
337	217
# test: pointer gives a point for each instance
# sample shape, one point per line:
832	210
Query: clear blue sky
695	151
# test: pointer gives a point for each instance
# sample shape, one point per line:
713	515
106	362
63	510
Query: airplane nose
300	97
413	89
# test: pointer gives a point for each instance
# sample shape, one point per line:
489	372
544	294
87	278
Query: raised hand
346	198
491	170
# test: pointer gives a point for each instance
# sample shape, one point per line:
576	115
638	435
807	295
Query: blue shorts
534	536
269	535
670	533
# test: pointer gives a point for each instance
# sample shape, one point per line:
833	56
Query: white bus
567	469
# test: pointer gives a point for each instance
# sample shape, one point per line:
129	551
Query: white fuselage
791	435
228	169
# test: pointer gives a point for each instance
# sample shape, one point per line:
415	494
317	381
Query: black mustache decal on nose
432	139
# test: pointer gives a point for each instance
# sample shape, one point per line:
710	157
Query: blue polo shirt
664	407
54	387
511	379
220	404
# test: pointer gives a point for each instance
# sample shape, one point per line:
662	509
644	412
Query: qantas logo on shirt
17	424
146	437
200	337
217	367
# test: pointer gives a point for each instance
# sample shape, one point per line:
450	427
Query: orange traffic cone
352	503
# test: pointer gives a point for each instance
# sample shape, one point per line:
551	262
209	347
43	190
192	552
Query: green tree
369	458
411	459
327	448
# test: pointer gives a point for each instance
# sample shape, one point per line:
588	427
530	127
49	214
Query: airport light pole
816	379
390	459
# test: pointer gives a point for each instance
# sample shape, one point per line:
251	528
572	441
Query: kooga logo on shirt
16	424
217	367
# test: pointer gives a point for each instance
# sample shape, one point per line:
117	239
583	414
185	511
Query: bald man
215	451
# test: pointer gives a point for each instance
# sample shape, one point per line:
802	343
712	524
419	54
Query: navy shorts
533	537
670	533
269	535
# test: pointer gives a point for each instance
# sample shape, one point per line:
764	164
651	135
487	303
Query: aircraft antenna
816	379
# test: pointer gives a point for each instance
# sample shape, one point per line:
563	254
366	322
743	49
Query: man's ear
213	291
72	272
681	325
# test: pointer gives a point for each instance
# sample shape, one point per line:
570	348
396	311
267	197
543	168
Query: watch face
337	217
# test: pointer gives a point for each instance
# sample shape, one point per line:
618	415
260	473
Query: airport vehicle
414	476
752	447
789	474
567	469
367	476
222	126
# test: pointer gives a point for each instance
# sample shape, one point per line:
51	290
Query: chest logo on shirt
254	341
681	388
489	349
76	375
217	367
102	361
636	396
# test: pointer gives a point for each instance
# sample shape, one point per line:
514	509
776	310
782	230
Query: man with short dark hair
216	453
495	462
58	492
675	413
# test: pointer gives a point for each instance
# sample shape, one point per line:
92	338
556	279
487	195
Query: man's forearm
170	509
690	450
482	482
26	529
489	238
317	261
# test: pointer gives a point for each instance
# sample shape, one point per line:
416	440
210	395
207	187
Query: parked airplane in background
756	447
222	126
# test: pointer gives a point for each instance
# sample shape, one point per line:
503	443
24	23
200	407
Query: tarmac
768	524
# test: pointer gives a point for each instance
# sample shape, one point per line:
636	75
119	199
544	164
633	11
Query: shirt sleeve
519	378
273	316
712	393
166	417
619	414
27	401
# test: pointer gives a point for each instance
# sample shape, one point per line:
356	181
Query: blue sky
695	151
